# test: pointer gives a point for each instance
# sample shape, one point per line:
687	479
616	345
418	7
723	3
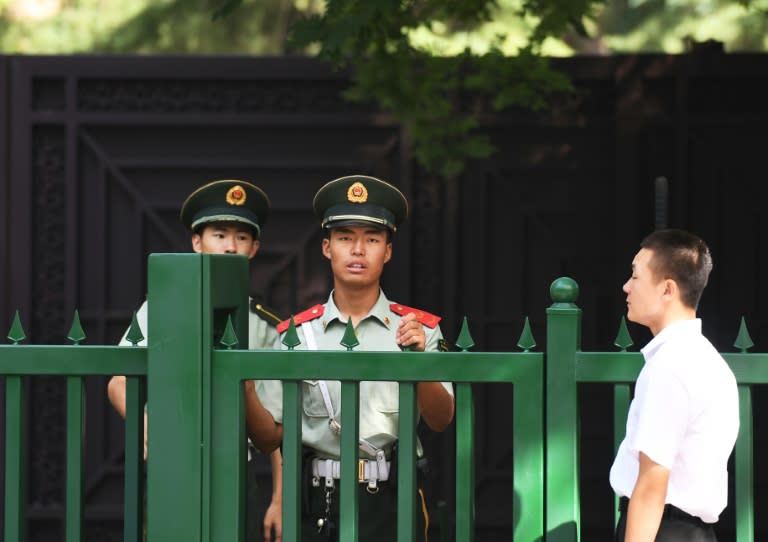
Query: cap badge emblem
236	195
357	193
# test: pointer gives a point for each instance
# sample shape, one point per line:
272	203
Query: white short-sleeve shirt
685	417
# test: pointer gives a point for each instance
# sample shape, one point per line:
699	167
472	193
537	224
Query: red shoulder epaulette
429	320
306	316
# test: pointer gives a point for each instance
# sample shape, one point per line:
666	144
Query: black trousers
676	526
377	514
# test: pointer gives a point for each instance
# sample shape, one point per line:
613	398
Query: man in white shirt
671	469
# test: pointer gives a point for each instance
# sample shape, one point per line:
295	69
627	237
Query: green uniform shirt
261	334
379	401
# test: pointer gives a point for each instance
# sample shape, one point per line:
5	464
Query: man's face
226	238
357	254
645	293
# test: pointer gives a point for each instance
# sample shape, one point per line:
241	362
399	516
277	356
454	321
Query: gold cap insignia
357	193
236	195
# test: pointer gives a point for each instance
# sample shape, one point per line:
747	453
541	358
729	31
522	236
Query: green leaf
465	341
16	333
291	337
349	340
226	9
76	333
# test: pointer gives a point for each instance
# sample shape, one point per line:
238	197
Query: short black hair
683	257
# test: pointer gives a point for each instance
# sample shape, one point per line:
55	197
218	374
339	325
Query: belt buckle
361	470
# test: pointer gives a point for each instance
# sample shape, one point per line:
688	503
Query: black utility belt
670	512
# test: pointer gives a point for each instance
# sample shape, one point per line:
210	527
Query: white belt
368	471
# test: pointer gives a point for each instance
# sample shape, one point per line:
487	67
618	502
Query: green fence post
225	298
75	440
184	309
15	459
465	448
563	341
744	476
174	397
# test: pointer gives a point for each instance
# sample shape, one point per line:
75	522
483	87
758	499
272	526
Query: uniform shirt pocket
312	398
381	396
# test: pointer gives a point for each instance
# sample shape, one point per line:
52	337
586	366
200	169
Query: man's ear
197	243
388	253
326	247
671	289
254	248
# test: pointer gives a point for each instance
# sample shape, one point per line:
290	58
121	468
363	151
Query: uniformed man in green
359	216
224	217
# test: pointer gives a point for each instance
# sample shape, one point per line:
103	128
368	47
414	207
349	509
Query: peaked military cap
358	200
226	201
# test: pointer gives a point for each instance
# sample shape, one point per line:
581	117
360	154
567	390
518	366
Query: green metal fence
196	435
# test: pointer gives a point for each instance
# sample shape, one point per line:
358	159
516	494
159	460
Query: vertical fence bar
745	507
406	464
15	459
350	413
228	445
528	454
74	476
292	461
465	462
621	399
133	516
224	310
563	340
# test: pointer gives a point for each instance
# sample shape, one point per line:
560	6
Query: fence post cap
564	292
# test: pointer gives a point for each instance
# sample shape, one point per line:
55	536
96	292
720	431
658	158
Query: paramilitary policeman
225	217
359	216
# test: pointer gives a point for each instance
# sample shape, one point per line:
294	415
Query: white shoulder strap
309	336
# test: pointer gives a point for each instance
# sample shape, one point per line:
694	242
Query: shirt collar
379	311
681	327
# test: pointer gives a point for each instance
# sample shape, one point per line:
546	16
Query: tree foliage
439	99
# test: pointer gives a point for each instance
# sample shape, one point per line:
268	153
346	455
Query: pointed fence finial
465	341
16	333
349	340
291	338
134	335
229	338
76	333
743	340
526	341
623	339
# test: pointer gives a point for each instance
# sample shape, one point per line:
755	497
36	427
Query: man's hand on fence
410	333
